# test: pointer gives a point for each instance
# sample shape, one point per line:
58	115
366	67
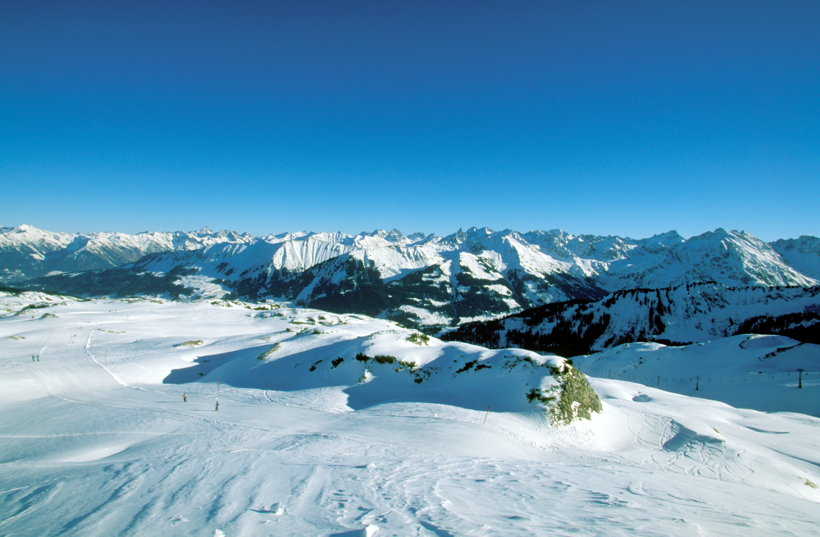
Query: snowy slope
749	371
98	442
686	313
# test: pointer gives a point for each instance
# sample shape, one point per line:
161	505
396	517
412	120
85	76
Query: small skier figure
184	397
216	407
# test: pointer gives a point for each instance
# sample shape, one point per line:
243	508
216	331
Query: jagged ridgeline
425	281
672	315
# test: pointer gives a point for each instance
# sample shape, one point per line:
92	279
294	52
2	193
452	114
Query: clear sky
594	116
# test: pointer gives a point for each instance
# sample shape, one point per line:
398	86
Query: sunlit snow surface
95	440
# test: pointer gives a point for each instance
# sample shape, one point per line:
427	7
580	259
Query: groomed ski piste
96	439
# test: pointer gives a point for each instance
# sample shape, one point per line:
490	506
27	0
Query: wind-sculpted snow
95	443
396	365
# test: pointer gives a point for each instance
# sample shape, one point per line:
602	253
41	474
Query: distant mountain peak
672	234
393	235
26	228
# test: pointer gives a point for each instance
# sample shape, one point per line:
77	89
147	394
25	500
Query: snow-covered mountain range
27	252
421	280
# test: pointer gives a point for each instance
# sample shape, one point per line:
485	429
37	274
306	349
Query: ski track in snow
105	449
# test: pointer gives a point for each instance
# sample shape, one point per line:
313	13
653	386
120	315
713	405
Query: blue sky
600	116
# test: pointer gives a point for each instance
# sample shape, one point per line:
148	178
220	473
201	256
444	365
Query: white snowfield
748	371
96	440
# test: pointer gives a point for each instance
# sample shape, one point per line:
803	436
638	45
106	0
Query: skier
216	407
184	397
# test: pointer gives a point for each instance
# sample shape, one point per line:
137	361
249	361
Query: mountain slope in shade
802	253
686	313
